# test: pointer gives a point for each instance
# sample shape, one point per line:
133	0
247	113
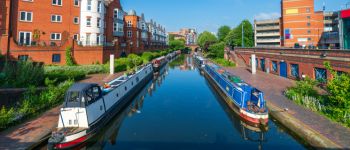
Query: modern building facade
330	34
92	29
344	29
300	23
267	33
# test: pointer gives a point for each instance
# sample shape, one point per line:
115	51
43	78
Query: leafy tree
234	37
223	32
171	37
177	44
338	88
216	50
205	39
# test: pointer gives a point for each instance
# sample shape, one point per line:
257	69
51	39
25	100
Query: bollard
253	64
111	65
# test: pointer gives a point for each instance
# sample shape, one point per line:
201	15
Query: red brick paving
29	133
273	86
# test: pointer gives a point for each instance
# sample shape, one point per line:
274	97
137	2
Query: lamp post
242	35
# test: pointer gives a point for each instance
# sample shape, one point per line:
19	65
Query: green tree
177	44
216	50
234	37
205	39
338	88
171	37
223	32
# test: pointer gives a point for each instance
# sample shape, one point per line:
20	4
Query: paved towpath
273	86
29	133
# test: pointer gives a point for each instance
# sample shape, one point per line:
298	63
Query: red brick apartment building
300	23
43	30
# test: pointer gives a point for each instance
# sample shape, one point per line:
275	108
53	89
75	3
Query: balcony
268	34
117	33
268	28
268	40
40	43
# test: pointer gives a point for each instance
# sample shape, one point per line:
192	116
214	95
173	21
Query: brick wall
307	60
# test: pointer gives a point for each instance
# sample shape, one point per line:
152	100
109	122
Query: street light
242	35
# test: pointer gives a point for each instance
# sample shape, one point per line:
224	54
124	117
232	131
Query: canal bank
318	131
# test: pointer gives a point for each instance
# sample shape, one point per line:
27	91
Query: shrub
22	74
87	69
224	62
134	60
147	57
69	57
6	117
63	75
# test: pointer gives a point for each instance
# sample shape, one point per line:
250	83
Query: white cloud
264	16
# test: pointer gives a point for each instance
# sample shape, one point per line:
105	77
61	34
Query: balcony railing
40	43
268	28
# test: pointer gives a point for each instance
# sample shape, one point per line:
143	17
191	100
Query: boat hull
252	119
78	138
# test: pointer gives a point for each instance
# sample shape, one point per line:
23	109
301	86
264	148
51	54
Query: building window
98	22
23	57
115	27
88	22
88	39
129	34
129	24
56	18
294	69
309	39
56	58
308	17
26	16
307	10
274	66
99	6
75	36
25	38
115	13
89	5
308	31
321	74
55	36
76	20
76	2
57	2
308	24
98	42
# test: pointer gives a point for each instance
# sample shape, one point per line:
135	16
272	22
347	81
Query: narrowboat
247	101
159	63
88	107
200	61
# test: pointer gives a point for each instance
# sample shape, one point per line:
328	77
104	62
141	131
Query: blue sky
211	14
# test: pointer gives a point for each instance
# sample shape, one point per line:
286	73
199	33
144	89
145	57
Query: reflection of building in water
188	64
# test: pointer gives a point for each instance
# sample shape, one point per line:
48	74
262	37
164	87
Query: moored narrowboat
247	101
88	107
159	63
200	61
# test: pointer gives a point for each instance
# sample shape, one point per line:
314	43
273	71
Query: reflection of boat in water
244	99
249	132
110	133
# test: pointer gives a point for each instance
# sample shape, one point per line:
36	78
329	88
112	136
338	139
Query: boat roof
81	86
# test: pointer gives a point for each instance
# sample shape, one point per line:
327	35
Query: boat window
137	79
74	97
96	92
126	88
132	83
117	94
89	96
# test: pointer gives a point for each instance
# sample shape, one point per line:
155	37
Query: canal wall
309	135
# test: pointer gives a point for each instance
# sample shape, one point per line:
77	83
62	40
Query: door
283	69
262	64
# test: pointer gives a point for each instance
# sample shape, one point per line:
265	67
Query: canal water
180	110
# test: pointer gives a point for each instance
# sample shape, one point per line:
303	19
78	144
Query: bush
134	60
22	74
147	57
69	57
6	117
216	50
87	69
224	62
63	75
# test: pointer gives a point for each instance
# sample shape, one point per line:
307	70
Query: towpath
34	131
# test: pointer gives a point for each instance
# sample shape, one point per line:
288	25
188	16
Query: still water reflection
179	110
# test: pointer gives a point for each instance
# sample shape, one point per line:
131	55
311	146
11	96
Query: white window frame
129	33
129	23
55	39
99	21
25	36
26	16
56	18
89	6
77	20
55	2
98	39
115	27
74	3
99	6
88	23
76	37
